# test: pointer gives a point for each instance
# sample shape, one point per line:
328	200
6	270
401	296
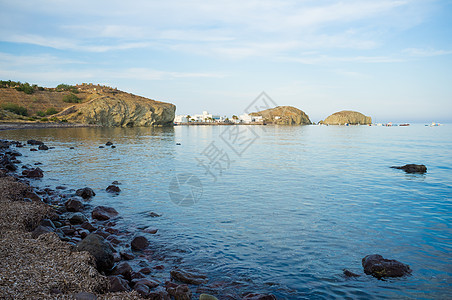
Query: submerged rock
347	117
33	173
85	193
348	273
187	277
380	267
253	296
113	189
178	291
100	249
139	243
43	147
104	213
412	168
73	205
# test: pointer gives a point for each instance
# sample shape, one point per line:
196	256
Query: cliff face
284	115
347	117
120	110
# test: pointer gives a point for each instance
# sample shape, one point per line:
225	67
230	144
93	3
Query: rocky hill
284	115
347	117
84	104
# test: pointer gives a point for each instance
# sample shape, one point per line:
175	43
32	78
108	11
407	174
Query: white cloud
418	52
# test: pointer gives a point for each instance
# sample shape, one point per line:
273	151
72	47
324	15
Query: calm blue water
291	209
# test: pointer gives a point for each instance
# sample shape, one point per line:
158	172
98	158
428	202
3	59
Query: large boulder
380	267
187	277
98	247
120	109
347	117
33	173
139	243
284	115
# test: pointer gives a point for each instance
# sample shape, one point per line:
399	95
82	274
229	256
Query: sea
281	210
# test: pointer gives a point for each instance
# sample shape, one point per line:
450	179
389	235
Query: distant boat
434	124
405	124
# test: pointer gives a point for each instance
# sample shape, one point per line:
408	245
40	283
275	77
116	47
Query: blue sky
390	59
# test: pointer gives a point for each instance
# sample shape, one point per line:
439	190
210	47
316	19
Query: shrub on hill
66	87
71	98
51	111
19	110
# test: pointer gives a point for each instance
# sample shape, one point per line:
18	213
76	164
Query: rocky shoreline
55	244
36	125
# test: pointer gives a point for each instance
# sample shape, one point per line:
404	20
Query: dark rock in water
186	277
33	173
78	218
108	143
127	256
101	147
73	205
115	182
207	297
41	230
147	282
380	267
412	168
33	149
117	284
34	142
113	147
85	296
178	144
85	193
60	187
142	290
68	230
13	153
139	243
178	291
88	226
150	230
71	148
136	275
154	215
146	271
43	147
159	293
348	273
7	164
98	247
104	213
253	296
102	233
113	189
123	269
83	233
48	223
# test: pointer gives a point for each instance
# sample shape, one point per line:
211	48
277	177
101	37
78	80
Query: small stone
151	230
127	256
60	187
117	284
43	147
139	243
142	290
108	143
85	193
71	148
113	147
136	275
115	182
412	168
186	277
33	149
88	226
33	173
348	273
77	218
178	291
73	205
207	297
40	230
100	249
101	147
148	282
154	215
104	213
123	269
145	271
113	189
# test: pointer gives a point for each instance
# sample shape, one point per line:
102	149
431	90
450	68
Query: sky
389	59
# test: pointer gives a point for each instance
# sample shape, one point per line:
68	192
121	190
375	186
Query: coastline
46	244
32	125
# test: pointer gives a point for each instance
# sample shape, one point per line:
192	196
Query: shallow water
292	207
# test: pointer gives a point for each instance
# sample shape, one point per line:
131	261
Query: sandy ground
36	268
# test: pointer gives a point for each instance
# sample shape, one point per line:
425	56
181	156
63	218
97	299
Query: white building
246	118
180	119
